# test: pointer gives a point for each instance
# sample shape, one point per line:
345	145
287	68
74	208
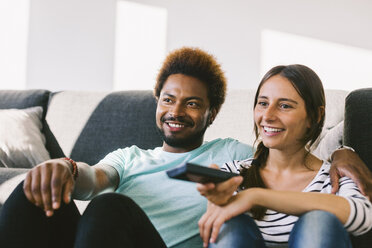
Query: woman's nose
269	113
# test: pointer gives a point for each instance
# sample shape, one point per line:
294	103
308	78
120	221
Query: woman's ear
321	113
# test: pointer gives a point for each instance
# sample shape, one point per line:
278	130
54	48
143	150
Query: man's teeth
175	125
270	129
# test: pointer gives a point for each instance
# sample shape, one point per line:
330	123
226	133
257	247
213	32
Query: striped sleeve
236	165
360	218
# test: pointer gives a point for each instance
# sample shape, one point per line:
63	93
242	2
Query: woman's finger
216	229
209	223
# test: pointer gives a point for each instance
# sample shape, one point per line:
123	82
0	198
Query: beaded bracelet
75	171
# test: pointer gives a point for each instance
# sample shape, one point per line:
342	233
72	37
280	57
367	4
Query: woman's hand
210	223
219	193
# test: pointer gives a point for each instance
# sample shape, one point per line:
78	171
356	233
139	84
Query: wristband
75	171
345	147
340	148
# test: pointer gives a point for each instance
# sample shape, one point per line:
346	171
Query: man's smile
175	125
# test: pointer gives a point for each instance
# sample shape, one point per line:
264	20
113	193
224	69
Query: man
190	90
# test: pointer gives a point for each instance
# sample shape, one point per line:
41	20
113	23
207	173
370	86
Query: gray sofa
116	119
87	125
358	123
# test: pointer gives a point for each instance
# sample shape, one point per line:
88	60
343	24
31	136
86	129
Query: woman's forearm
297	203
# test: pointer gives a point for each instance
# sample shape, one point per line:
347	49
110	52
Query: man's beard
183	142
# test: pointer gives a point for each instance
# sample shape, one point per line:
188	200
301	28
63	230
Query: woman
281	185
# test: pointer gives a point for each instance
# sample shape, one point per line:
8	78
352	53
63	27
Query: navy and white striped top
276	227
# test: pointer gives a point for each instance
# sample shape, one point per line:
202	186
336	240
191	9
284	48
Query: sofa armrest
358	123
8	173
9	179
358	134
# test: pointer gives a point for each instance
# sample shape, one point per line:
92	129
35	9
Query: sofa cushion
330	140
89	125
21	99
10	184
3	158
21	142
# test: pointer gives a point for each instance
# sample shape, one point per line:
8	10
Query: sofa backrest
20	99
235	119
89	125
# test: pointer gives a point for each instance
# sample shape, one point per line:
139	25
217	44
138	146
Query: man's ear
212	116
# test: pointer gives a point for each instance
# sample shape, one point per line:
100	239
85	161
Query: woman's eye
262	104
285	106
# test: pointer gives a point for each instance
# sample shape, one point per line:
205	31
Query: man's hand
348	163
219	193
48	183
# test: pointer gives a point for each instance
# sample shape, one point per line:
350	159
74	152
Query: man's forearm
85	182
94	180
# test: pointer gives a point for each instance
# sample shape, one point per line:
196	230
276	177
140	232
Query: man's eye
167	100
192	104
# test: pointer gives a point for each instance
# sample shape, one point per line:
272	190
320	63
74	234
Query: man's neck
173	149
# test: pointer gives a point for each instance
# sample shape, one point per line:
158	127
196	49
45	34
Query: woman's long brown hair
310	88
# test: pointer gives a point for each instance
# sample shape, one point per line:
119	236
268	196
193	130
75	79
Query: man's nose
177	110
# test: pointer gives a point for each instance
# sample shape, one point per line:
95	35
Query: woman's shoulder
325	167
237	165
323	172
321	182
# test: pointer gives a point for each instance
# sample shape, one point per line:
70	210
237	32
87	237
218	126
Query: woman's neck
295	160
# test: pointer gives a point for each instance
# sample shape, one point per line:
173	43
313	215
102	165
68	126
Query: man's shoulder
229	148
131	152
232	144
225	141
135	148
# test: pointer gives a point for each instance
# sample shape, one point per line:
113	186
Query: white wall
71	44
72	41
232	29
140	44
14	19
